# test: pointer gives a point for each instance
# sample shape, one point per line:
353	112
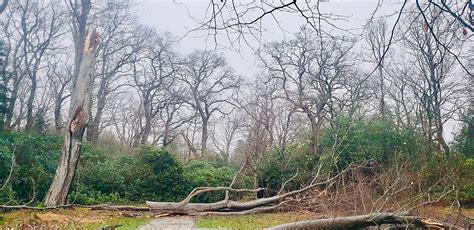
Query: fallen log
118	208
226	206
363	221
92	207
26	207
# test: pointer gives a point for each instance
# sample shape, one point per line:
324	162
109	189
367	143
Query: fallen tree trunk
362	221
92	207
226	206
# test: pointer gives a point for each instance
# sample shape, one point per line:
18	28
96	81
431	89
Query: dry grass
255	221
74	218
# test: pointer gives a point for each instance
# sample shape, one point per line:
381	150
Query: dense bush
203	174
346	140
464	141
454	171
148	174
107	173
35	163
104	174
349	140
276	167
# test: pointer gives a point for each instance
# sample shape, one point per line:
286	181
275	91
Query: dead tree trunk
75	128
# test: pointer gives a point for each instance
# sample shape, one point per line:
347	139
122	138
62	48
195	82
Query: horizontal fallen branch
26	207
92	207
227	205
362	221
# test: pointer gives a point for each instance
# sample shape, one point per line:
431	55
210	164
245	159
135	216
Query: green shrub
464	143
150	174
204	174
370	140
453	171
276	167
91	197
35	163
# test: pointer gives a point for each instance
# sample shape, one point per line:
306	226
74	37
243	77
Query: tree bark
3	6
57	110
11	103
76	125
3	86
29	105
315	132
148	117
205	135
93	130
362	221
79	25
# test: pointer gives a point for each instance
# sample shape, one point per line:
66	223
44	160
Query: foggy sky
174	16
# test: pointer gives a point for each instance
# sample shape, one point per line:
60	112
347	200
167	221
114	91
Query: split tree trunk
75	128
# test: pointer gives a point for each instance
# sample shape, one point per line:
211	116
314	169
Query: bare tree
40	27
153	73
120	42
376	37
14	72
171	119
310	71
126	117
209	84
60	74
399	91
229	128
259	107
436	91
3	85
30	29
189	132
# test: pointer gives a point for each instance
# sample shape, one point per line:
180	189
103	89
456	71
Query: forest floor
73	218
83	218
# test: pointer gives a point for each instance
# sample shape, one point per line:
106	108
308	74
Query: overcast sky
173	16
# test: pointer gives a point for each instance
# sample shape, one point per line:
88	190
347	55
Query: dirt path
170	223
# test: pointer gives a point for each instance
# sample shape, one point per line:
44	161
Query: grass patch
74	218
255	221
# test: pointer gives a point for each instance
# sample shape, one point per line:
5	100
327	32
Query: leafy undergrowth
74	218
255	221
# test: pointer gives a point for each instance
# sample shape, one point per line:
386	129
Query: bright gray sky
173	16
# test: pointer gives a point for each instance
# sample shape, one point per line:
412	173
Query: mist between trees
160	123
